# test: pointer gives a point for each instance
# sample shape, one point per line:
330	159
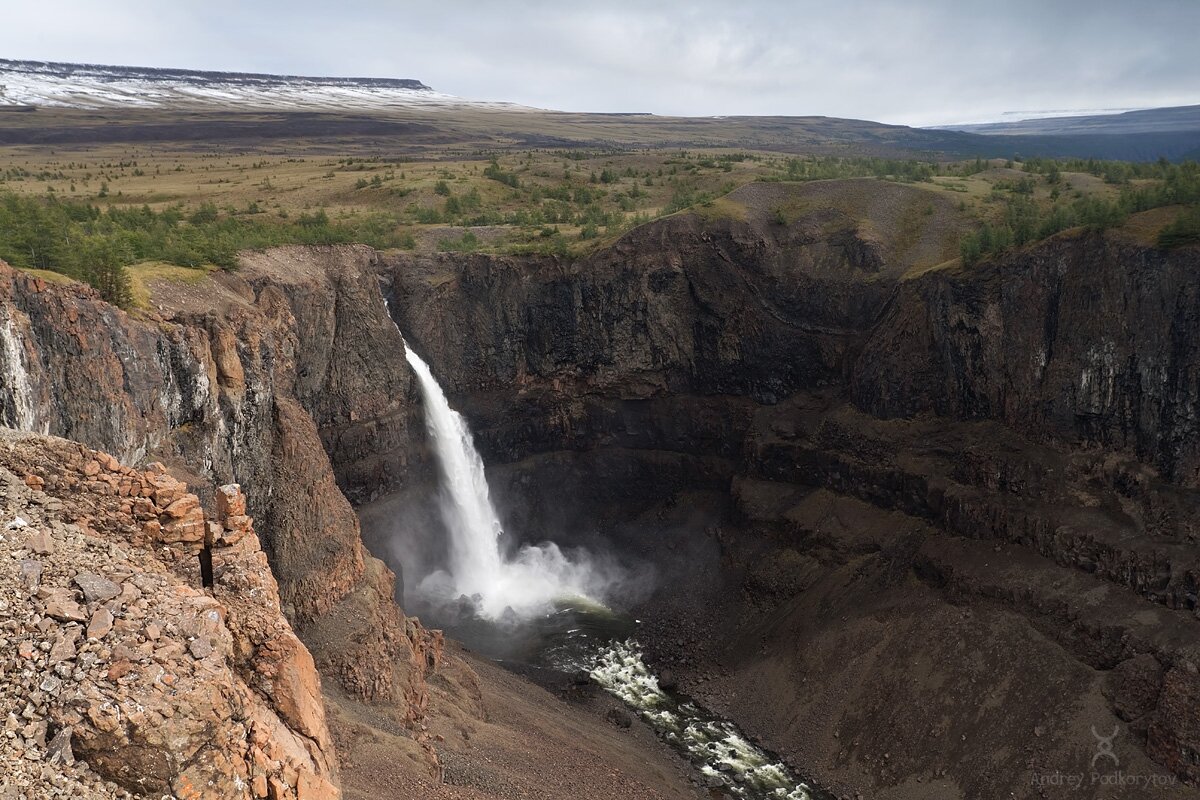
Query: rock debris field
111	650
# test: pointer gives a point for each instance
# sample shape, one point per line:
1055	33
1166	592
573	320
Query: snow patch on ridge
91	86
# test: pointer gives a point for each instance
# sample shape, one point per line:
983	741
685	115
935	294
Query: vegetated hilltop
90	214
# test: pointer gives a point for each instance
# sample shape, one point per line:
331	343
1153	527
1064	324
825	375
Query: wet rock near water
620	718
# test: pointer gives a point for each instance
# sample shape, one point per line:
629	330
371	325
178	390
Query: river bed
588	638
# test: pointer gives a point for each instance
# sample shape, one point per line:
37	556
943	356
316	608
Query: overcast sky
916	62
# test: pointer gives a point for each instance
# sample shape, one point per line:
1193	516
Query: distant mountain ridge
96	86
196	75
1172	119
141	104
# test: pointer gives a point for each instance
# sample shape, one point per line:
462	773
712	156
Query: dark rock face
1087	338
666	344
940	531
1017	440
737	305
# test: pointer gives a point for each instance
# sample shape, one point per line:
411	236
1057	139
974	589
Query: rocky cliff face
1016	440
761	295
118	654
1088	338
249	378
958	567
657	351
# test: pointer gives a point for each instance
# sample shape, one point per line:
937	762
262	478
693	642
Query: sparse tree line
95	245
606	201
1023	221
904	170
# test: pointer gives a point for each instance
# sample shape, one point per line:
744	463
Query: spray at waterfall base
478	573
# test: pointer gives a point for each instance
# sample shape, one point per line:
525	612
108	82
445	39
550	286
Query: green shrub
1184	230
94	245
496	173
467	243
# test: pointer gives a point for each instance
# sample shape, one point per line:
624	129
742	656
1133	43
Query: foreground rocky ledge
116	654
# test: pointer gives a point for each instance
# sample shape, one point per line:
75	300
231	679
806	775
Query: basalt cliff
918	528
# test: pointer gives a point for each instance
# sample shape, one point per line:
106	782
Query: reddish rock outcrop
250	384
159	685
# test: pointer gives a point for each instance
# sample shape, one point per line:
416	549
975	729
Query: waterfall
532	579
23	402
467	507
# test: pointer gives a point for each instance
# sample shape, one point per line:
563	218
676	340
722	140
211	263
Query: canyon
919	529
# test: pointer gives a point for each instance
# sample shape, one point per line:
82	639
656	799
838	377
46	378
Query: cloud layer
916	62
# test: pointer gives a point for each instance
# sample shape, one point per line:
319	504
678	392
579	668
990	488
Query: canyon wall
248	378
1089	338
1000	459
636	372
864	453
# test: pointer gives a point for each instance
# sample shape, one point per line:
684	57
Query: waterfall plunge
530	581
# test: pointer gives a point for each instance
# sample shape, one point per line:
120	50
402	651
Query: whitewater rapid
718	749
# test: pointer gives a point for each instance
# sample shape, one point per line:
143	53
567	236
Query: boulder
41	543
100	624
619	717
59	749
31	574
61	605
230	501
95	588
